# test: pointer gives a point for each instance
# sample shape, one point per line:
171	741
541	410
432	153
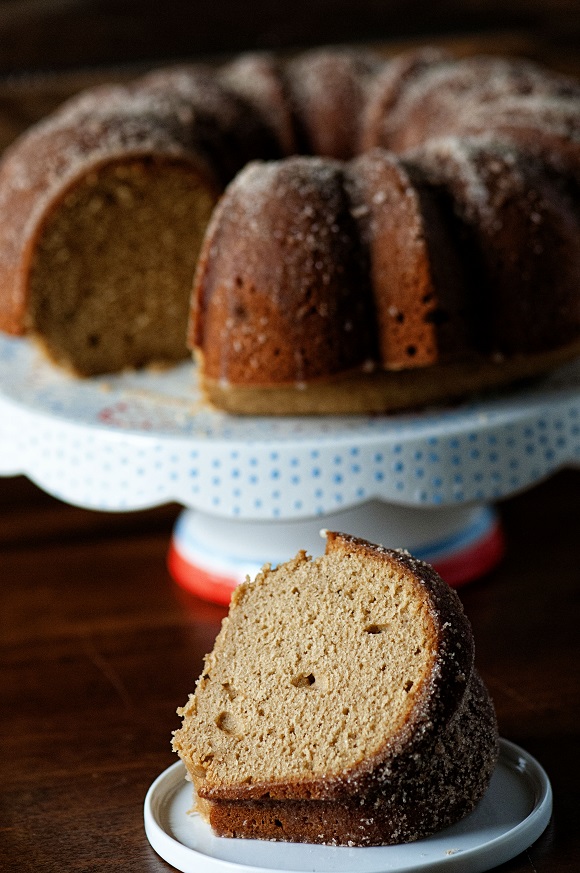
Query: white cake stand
258	489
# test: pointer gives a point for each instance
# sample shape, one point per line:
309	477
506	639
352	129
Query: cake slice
340	704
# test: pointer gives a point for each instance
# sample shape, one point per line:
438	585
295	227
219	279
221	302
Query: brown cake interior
319	662
124	240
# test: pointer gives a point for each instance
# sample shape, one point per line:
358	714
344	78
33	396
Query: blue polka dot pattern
141	439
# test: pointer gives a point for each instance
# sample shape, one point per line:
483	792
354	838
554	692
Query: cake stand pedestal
256	490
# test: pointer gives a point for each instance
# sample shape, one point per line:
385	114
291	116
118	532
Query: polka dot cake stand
258	489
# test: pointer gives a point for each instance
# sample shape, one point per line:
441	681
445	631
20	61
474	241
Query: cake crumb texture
340	704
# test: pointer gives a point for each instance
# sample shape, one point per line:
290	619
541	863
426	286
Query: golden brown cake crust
417	277
280	297
328	92
520	228
434	96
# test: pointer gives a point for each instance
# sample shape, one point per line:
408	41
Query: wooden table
99	647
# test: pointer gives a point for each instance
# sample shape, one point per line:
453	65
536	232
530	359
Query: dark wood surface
99	647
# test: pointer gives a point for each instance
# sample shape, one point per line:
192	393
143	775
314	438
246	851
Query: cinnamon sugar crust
281	287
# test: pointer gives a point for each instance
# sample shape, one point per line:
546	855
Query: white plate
514	812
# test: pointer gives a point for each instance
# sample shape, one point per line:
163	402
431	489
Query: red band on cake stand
207	586
474	561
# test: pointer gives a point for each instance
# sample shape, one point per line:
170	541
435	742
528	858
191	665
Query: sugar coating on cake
281	282
340	704
416	275
519	224
450	97
329	93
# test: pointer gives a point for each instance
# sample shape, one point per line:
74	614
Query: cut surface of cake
340	704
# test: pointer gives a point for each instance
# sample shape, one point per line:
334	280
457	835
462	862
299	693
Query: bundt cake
388	233
340	704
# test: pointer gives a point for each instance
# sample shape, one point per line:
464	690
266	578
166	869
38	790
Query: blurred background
47	35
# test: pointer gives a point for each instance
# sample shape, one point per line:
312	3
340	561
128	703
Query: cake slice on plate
340	704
